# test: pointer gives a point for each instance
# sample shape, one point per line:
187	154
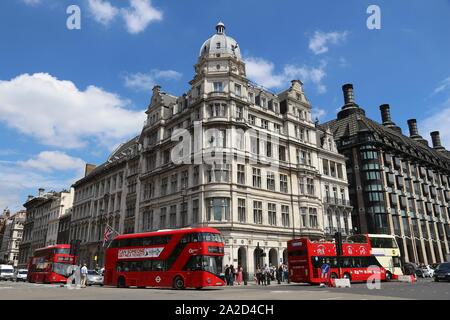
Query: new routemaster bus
51	264
306	259
185	258
385	249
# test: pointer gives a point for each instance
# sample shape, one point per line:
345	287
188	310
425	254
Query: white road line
333	298
6	287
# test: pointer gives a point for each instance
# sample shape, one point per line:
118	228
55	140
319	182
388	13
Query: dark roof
118	156
357	122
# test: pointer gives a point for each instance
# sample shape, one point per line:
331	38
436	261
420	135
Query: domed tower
219	54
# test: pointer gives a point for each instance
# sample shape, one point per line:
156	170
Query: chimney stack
414	132
436	139
349	96
386	114
41	192
29	198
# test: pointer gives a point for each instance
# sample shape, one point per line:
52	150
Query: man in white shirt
84	272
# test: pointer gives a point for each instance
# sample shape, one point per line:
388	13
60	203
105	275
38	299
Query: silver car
94	278
20	275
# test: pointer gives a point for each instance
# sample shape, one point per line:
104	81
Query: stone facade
12	236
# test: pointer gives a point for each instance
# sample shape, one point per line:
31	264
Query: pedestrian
279	273
84	272
266	273
232	275
258	275
227	275
286	273
239	277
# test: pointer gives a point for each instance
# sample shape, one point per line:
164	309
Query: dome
220	43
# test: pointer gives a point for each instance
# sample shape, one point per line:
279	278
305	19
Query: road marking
281	291
6	288
332	298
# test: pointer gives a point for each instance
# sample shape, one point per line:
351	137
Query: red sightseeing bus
306	258
185	258
51	264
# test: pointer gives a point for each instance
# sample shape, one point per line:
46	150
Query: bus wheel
388	276
347	276
178	283
121	282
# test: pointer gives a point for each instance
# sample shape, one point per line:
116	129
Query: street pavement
424	289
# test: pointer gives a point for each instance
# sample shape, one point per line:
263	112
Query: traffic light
338	239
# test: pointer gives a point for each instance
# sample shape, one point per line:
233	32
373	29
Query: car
6	272
94	278
20	275
442	272
427	271
410	268
434	266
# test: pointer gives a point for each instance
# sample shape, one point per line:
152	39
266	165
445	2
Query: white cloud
320	41
318	113
53	160
146	81
438	122
140	14
57	113
263	72
51	170
102	11
444	85
31	2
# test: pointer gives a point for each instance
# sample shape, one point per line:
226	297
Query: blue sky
69	96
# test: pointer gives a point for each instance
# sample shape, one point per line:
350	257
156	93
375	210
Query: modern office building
398	184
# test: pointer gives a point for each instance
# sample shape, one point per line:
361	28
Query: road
423	289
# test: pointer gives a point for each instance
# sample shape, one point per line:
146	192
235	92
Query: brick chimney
350	106
414	132
436	139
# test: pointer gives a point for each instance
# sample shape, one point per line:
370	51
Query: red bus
306	258
51	264
185	258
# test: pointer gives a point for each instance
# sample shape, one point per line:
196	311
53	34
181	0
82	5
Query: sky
70	96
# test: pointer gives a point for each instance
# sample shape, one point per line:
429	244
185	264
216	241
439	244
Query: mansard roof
349	127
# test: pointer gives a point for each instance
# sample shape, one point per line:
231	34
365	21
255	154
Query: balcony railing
336	201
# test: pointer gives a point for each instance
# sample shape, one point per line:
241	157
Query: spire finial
220	28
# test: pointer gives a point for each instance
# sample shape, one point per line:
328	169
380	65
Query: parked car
20	275
94	278
442	272
6	272
434	266
427	271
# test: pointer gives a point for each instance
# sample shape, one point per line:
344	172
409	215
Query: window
283	183
218	87
195	211
242	216
304	217
216	138
282	153
164	183
257	212
162	218
272	213
147	220
196	175
218	209
285	216
184	214
251	119
264	124
174	183
241	174
237	89
218	173
277	128
173	217
256	178
313	222
239	112
217	110
310	186
270	181
184	180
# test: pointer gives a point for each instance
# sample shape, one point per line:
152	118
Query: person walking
84	272
258	275
239	277
227	275
266	273
279	273
232	275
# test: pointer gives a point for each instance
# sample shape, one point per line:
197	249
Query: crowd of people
263	276
266	274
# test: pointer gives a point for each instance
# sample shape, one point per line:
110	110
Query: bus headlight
208	280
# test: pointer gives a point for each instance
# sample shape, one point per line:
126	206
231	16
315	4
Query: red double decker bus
185	258
51	264
306	259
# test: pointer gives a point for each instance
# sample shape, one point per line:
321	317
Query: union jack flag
108	232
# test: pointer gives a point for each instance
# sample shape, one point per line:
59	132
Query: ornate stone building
398	184
12	236
227	154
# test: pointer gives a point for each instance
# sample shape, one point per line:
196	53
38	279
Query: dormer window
218	45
